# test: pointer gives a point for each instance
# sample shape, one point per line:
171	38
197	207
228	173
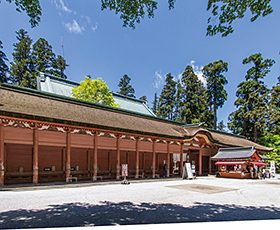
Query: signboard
187	171
124	170
272	168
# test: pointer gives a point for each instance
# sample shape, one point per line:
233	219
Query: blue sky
95	43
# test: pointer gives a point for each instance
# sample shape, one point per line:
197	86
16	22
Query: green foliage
221	126
155	104
22	67
4	69
58	67
225	12
95	91
192	101
216	81
252	100
42	56
166	102
144	98
273	141
274	109
126	88
31	7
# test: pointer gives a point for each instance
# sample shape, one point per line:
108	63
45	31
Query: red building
46	137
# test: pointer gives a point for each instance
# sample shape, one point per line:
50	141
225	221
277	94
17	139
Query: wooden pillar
35	155
68	156
95	152
118	167
2	166
210	163
137	158
181	158
168	159
154	159
200	163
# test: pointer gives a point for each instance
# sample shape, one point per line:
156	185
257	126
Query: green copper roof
64	87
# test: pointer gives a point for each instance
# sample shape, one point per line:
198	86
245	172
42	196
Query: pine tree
216	81
58	67
4	69
125	88
155	104
43	56
193	101
252	99
22	66
166	102
178	104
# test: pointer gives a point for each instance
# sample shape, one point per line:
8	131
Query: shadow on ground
124	213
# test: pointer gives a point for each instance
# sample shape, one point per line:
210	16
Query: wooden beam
95	152
137	158
154	159
35	155
68	156
200	163
118	166
181	158
2	160
168	159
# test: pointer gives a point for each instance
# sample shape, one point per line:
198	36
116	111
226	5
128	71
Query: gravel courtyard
165	201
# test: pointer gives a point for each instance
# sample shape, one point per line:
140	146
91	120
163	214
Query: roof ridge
227	133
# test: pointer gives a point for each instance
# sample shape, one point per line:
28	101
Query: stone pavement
164	201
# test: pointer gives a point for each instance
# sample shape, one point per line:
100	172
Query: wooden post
168	159
35	155
68	156
118	167
181	158
154	159
210	163
2	166
200	163
137	158
95	151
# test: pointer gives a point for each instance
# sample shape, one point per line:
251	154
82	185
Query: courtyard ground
164	201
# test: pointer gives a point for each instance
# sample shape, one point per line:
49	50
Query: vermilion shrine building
46	137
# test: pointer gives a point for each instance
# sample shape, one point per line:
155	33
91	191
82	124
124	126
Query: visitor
164	169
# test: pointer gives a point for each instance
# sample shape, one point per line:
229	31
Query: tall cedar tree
274	109
178	96
166	102
216	81
126	88
252	99
193	100
155	104
42	56
22	66
58	67
4	69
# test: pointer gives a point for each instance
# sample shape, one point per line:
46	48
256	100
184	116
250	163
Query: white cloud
198	72
60	4
95	27
74	27
158	80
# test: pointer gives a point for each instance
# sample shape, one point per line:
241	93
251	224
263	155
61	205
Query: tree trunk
215	116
